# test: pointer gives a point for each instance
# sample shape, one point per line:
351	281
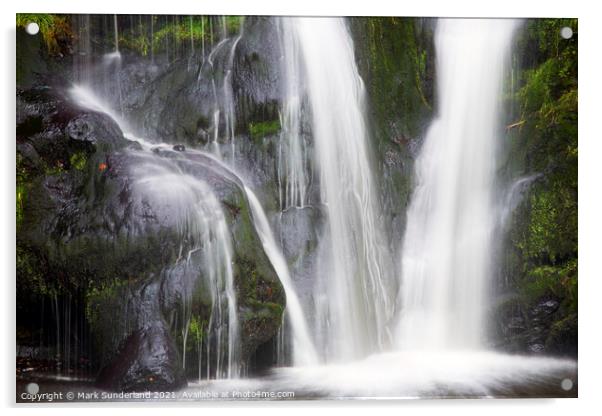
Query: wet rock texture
80	214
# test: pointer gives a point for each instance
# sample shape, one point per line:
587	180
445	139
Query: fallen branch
518	123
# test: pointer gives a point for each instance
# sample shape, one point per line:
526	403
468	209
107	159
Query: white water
84	96
190	205
303	349
514	196
224	105
293	156
353	304
198	215
447	248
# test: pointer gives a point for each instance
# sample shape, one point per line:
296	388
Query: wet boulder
93	223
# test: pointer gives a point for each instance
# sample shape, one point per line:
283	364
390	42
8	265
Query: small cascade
199	217
514	196
303	349
116	32
82	54
228	98
224	106
203	226
293	158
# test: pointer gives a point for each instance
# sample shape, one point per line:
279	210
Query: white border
590	160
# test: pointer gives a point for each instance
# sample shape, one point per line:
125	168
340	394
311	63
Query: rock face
81	213
147	358
541	328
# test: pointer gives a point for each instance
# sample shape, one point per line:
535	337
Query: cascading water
293	158
223	94
303	349
202	224
353	304
200	219
447	248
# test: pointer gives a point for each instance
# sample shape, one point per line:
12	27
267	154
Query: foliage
544	141
196	328
182	30
53	28
22	180
101	297
30	276
264	128
78	160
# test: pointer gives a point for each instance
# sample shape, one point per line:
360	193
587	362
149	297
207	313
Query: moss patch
78	160
262	129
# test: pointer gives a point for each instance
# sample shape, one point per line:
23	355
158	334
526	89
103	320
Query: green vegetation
30	276
53	28
22	179
543	139
397	64
197	328
264	128
78	160
178	30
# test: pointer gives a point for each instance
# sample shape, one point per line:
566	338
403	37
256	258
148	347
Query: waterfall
447	247
303	348
352	297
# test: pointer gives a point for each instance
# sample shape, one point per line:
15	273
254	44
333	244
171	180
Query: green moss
30	273
233	23
183	30
21	188
264	128
104	302
542	138
78	160
396	62
562	333
197	328
264	311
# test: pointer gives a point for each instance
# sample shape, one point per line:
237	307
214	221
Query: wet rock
536	348
147	358
179	148
534	328
562	338
257	78
100	233
147	361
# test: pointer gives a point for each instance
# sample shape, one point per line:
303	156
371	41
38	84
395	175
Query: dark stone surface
541	327
98	232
